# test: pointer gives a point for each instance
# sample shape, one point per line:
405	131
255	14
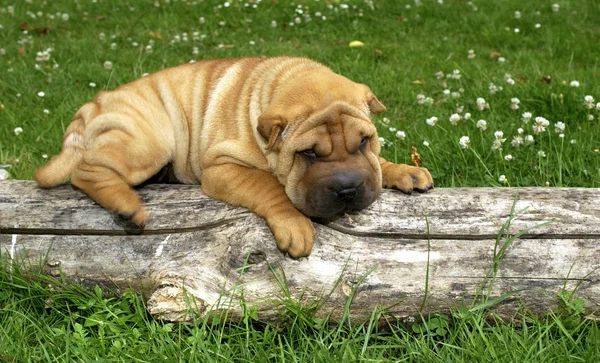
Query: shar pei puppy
285	137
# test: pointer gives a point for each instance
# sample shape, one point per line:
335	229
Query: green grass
403	50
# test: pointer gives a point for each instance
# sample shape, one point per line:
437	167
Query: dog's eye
310	153
364	141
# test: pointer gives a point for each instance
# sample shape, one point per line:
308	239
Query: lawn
491	93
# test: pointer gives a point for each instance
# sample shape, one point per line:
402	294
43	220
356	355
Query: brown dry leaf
155	35
378	52
21	51
401	19
495	55
415	157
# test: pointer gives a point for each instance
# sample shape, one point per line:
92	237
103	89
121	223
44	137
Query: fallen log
409	254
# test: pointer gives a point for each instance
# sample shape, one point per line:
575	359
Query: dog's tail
59	168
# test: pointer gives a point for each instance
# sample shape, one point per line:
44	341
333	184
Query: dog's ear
270	125
374	105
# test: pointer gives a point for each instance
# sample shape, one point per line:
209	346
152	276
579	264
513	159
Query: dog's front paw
407	178
293	234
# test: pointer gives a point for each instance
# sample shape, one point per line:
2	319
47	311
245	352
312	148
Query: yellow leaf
356	43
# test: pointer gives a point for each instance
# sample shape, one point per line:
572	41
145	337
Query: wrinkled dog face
332	162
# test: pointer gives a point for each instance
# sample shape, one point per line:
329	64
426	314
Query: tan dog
284	137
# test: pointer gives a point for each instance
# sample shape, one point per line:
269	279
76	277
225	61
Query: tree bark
409	254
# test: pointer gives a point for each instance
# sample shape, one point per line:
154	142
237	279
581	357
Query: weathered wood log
215	251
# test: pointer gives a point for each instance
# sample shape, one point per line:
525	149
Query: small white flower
420	99
431	121
481	104
46	111
428	101
107	65
502	179
598	106
517	141
494	89
44	156
555	7
526	117
482	124
426	143
393	129
547	183
455	94
201	20
454	118
498	135
562	136
382	140
573	141
514	103
459	109
529	140
591	117
540	125
510	81
446	92
385	121
226	4
467	116
92	84
520	131
439	75
65	17
18	130
401	135
574	84
471	54
222	23
252	42
517	30
589	101
102	36
456	74
517	15
464	142
538	25
559	127
41	94
297	20
113	46
4	175
508	157
501	59
541	154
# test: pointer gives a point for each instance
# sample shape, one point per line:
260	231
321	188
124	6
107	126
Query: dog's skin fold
285	137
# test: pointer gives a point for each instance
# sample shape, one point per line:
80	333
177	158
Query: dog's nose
347	194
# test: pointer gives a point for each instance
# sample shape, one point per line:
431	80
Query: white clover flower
467	116
498	135
401	135
573	141
482	124
501	59
541	154
517	141
538	25
464	142
540	125
456	74
517	15
42	56
589	101
598	106
520	131
385	121
4	175
102	36
559	127
393	129
510	81
471	54
455	94
113	46
431	121
555	8
426	143
502	179
41	94
514	103
92	84
454	118
420	99
428	101
459	109
46	111
517	30
18	130
529	140
382	140
107	65
439	75
44	156
201	20
526	117
508	157
574	84
494	89
591	117
562	136
481	104
446	92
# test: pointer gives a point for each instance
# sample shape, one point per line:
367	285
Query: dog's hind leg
116	161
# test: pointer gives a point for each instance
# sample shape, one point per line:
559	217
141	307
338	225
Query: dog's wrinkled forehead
331	114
